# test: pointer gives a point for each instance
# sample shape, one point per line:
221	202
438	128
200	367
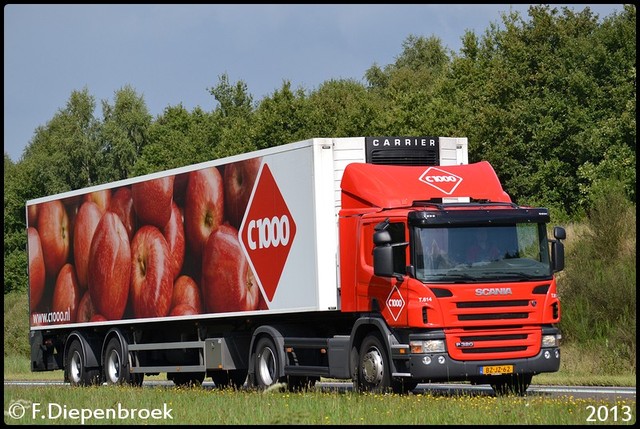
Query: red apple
180	188
66	295
85	225
98	318
204	207
102	198
262	303
227	280
186	291
152	201
32	215
53	227
109	267
85	308
183	310
239	178
37	272
122	205
174	234
151	273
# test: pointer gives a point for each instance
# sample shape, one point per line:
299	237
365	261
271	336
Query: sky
172	54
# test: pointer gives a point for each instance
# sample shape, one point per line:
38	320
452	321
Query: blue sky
172	54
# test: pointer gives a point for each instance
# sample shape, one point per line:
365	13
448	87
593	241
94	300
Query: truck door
385	295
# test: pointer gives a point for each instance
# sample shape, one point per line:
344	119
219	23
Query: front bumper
439	367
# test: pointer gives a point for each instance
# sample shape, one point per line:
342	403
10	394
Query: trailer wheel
511	384
234	378
76	371
373	366
116	369
266	364
186	378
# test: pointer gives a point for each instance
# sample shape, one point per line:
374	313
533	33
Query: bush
598	290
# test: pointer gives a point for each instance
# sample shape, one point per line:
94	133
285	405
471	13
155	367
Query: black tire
267	364
403	386
187	379
297	383
374	374
516	384
116	367
229	379
75	370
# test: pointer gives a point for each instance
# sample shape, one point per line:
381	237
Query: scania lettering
494	291
354	259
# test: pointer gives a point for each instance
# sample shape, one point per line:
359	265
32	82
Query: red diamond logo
443	181
395	303
267	232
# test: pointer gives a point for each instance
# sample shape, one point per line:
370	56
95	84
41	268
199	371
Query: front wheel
373	373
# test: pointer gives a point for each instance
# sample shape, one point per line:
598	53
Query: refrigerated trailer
339	258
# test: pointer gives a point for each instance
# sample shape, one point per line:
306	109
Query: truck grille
493	310
493	343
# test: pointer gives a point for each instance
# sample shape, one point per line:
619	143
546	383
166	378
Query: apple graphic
85	308
151	273
53	227
180	188
98	318
152	201
204	207
37	272
85	225
239	178
32	215
174	234
227	280
102	198
122	205
109	267
186	291
182	310
66	295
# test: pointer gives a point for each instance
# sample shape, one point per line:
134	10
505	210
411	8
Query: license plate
496	369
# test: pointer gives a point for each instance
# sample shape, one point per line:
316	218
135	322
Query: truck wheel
186	378
298	383
75	370
373	367
233	378
116	369
266	364
511	384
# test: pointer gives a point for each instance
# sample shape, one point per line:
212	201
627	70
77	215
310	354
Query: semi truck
349	258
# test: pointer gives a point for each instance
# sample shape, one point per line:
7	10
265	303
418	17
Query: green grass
211	406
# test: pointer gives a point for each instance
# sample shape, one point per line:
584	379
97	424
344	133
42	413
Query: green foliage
598	289
16	324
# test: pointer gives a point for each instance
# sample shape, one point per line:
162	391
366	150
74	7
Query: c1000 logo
441	180
270	232
267	232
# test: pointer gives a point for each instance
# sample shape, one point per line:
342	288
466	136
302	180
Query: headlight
551	340
430	346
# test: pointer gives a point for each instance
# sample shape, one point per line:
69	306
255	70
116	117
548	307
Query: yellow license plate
496	369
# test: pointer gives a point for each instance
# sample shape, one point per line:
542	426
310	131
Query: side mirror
383	260
557	248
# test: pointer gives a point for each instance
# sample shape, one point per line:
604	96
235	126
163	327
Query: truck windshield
505	252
